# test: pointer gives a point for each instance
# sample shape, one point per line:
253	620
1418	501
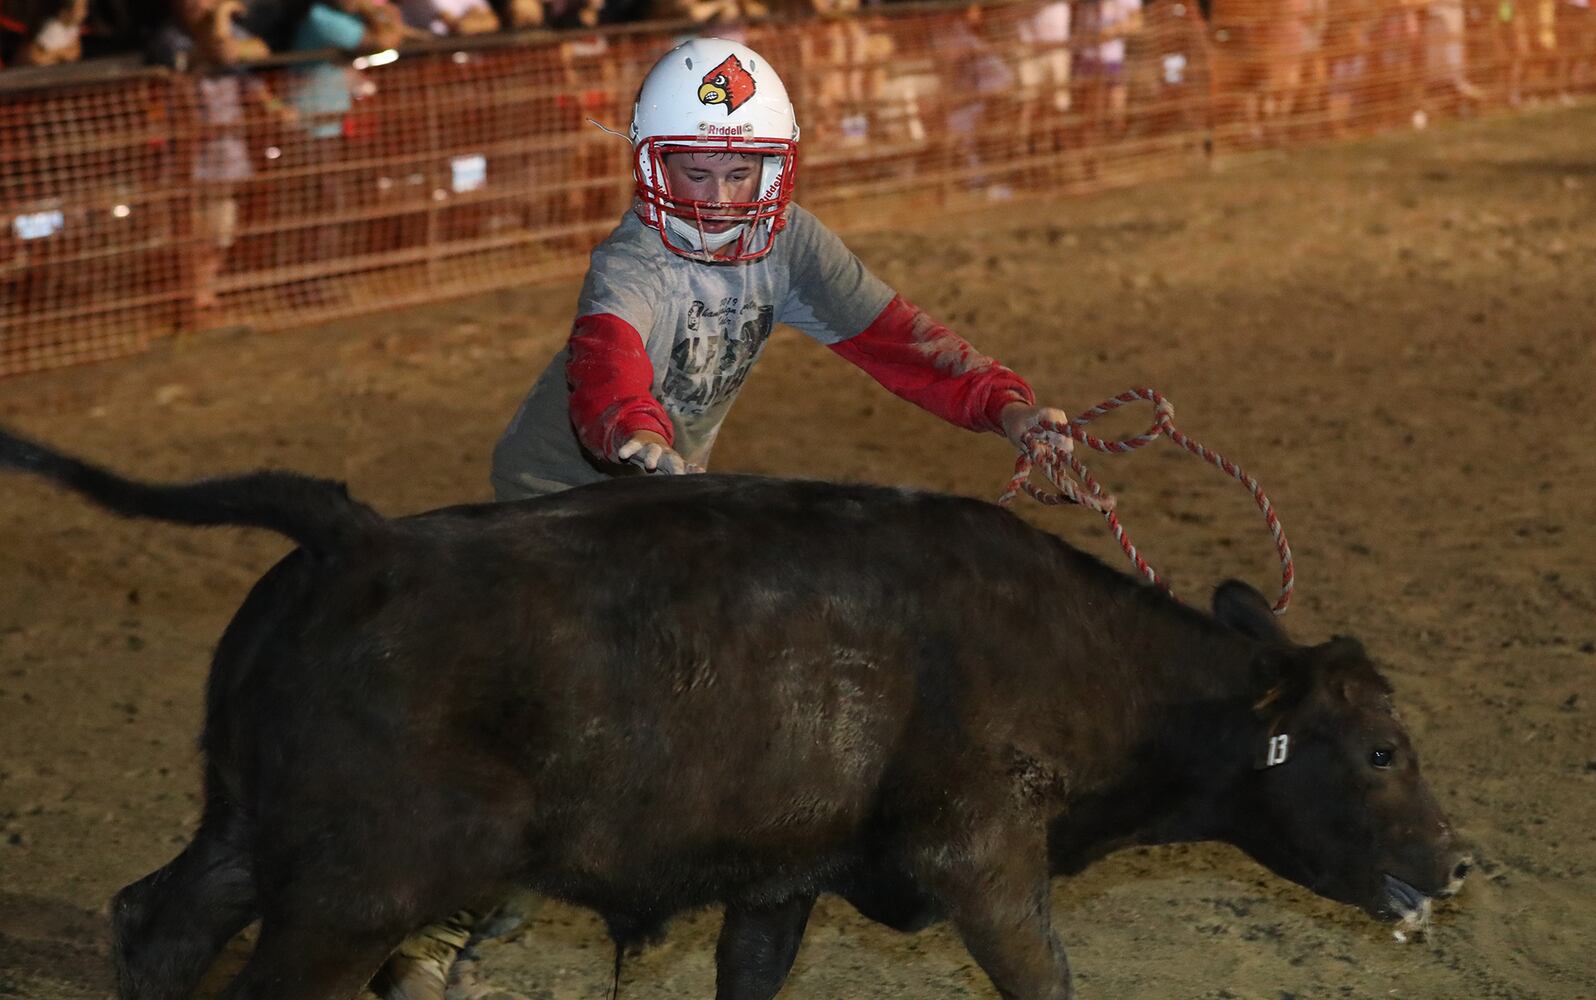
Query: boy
681	297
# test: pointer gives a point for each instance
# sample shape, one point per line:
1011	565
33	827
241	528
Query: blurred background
174	166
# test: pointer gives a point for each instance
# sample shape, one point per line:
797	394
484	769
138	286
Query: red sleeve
611	381
921	360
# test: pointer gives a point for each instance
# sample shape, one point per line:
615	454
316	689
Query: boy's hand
1020	419
650	452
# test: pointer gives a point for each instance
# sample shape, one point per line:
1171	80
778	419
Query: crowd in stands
304	166
50	32
1335	43
1278	48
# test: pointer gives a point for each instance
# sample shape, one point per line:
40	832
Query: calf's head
1335	800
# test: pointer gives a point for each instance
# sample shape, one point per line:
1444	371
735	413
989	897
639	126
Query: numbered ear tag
1276	752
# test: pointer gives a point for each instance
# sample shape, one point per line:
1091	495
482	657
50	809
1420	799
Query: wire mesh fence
158	203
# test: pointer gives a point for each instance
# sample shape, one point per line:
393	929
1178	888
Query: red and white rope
1073	483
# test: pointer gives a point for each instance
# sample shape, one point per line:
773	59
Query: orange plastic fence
157	203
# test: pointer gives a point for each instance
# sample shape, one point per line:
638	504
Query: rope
1073	482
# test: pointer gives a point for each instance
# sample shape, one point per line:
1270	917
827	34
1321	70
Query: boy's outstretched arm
924	362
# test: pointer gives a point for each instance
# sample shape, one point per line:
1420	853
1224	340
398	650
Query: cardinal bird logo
727	84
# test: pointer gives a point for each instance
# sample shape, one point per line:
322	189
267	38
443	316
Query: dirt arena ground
1396	337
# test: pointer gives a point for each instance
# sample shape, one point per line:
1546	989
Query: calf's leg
302	960
1025	961
757	947
169	926
336	900
997	898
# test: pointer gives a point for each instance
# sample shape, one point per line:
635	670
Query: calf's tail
319	514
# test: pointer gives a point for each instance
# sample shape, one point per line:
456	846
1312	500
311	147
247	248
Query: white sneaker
419	968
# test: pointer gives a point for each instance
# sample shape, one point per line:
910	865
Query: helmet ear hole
689	62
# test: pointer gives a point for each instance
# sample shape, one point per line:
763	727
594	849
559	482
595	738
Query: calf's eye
1381	757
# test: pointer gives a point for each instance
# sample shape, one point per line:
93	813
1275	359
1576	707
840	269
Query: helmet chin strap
698	239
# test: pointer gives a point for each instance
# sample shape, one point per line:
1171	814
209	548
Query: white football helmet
714	95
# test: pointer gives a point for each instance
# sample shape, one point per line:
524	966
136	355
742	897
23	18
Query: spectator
274	21
823	50
519	15
573	13
59	39
840	53
211	36
1512	44
1578	71
1544	55
1044	71
1398	50
1312	74
1445	59
1349	38
979	78
281	23
906	82
209	40
1177	36
325	92
322	95
711	13
624	11
1101	66
592	92
1045	67
450	17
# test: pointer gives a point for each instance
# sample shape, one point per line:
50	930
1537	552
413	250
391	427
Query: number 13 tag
1279	748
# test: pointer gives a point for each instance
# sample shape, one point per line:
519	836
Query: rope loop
1073	483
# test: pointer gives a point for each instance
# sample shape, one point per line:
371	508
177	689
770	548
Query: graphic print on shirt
714	353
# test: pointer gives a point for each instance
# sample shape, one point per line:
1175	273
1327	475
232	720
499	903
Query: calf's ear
1280	681
1241	607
